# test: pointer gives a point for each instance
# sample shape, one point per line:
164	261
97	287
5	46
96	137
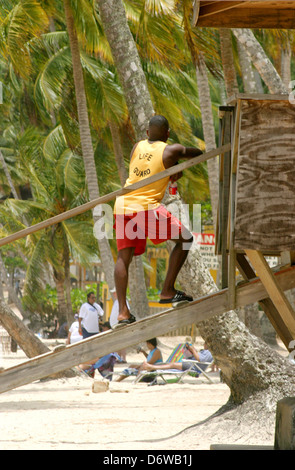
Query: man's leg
176	261
121	280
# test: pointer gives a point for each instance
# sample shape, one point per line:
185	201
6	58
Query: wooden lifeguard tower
257	193
257	199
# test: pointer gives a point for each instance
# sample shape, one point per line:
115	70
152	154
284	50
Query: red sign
205	238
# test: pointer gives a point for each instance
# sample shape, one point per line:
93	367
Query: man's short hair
89	294
160	122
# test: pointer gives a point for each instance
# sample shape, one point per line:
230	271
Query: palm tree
260	60
85	135
135	86
57	184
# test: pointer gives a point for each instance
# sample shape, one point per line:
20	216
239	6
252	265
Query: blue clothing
150	355
131	371
86	333
105	365
204	355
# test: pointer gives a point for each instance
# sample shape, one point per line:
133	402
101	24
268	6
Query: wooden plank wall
265	197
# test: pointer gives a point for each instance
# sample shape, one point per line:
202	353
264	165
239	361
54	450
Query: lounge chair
175	356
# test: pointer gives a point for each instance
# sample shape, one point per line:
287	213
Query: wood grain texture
265	194
276	294
247	14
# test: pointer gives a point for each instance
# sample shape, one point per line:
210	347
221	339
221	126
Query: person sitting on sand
153	357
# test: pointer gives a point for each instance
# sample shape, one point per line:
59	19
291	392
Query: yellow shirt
146	161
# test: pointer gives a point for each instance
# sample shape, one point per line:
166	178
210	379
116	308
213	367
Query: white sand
65	414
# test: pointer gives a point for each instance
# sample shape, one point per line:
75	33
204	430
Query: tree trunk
209	132
286	57
248	365
26	339
11	292
260	60
247	70
128	64
8	177
30	344
60	292
70	313
118	151
86	141
229	71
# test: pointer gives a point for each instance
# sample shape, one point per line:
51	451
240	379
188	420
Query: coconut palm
260	60
57	184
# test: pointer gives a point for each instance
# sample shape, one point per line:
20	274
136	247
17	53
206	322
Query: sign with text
206	242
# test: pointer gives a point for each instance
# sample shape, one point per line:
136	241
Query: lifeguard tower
257	198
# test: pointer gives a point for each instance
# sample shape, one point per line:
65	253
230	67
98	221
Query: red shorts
158	225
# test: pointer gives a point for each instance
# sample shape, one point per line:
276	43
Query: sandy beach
65	413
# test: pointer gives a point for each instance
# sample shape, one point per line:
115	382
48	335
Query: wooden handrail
109	197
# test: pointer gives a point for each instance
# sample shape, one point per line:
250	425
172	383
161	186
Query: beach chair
164	374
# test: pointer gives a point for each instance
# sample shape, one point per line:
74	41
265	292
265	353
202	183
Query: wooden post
224	191
285	424
266	304
275	293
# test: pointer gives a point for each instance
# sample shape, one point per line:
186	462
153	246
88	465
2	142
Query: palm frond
82	243
26	20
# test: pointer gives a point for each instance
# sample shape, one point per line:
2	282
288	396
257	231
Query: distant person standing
89	315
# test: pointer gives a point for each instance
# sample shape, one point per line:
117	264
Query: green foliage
43	307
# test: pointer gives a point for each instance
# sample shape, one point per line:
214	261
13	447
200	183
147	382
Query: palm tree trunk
248	75
11	292
30	344
128	64
230	78
60	292
70	313
8	177
286	57
86	141
209	132
140	108
260	60
228	65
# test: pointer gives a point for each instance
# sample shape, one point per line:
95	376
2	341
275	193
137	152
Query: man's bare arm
173	153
